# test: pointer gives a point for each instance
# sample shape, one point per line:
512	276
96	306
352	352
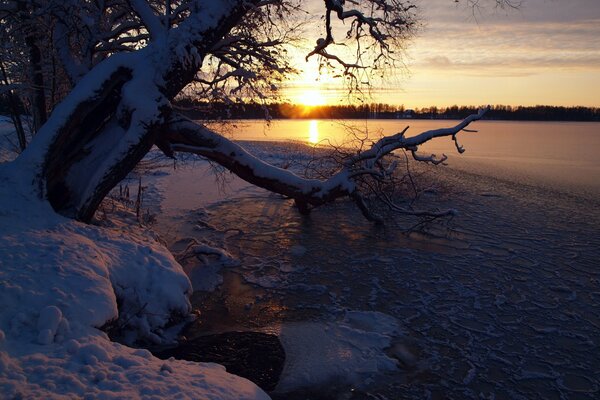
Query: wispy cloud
517	43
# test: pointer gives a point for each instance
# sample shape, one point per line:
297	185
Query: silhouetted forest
216	111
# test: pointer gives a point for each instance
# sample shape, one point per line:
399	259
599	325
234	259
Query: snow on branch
387	144
149	18
188	136
428	135
429	159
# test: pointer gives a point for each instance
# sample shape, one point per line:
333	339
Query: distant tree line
204	110
216	111
521	113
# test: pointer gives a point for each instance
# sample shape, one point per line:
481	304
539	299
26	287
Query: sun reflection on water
313	131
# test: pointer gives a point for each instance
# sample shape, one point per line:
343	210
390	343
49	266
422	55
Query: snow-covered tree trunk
116	112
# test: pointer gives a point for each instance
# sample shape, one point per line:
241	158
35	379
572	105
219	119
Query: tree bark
91	142
38	91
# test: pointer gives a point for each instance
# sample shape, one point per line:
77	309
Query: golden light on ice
312	98
313	131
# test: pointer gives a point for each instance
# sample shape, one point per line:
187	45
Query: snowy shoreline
61	280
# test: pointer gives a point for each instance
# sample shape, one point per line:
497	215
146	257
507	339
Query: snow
61	280
347	351
206	276
96	267
93	367
48	322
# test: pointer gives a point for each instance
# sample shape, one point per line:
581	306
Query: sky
546	52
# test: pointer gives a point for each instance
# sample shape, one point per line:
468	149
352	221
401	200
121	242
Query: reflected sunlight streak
313	131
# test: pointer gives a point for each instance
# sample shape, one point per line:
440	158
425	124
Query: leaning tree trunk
113	116
182	134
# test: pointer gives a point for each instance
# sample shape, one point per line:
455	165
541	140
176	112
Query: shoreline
595	121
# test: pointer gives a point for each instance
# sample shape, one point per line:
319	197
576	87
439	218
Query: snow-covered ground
60	281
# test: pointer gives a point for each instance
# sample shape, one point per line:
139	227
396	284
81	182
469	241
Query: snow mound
348	351
57	273
93	367
60	280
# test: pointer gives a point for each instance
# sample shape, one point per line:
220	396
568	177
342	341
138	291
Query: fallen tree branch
184	135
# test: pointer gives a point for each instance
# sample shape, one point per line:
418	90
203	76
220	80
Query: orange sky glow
547	52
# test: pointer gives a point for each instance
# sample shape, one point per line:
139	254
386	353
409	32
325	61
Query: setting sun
312	98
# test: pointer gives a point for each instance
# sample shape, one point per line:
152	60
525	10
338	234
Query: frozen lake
503	301
550	153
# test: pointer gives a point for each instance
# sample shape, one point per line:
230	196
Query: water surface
555	154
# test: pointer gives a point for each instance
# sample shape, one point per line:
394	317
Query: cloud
517	47
438	61
561	11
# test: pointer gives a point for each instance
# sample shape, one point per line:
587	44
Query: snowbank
60	280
